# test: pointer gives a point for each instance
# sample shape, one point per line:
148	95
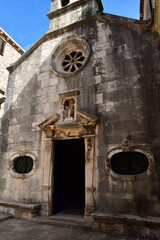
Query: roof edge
11	41
136	25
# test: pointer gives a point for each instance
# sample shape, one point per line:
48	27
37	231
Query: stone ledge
112	218
29	206
20	210
118	224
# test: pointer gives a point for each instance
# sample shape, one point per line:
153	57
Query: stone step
64	222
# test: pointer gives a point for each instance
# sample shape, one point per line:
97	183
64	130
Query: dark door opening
69	175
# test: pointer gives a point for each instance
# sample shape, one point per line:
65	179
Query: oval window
23	164
129	163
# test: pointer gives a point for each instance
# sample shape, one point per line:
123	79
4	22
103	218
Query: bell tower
66	12
57	4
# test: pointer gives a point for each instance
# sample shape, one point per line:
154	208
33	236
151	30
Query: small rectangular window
64	2
2	45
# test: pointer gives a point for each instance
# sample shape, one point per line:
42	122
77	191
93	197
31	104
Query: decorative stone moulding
145	163
18	156
70	57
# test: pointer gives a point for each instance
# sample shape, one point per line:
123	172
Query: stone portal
68	163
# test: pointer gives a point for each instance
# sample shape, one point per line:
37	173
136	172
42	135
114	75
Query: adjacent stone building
81	123
10	51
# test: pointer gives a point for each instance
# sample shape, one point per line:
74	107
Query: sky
26	21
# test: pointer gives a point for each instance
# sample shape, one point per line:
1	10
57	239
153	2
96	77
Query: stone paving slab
14	229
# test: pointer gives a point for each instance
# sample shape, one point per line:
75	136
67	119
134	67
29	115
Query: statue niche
69	109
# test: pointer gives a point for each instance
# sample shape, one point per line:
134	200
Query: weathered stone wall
127	100
120	85
20	133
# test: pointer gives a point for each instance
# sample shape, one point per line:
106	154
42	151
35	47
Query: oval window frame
11	163
141	176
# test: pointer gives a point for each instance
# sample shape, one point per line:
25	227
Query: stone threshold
75	223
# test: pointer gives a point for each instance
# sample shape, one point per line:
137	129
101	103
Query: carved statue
68	110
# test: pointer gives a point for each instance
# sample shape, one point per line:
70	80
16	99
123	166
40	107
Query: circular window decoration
70	57
130	165
73	61
22	165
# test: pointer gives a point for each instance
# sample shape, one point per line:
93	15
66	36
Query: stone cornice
8	39
63	10
136	25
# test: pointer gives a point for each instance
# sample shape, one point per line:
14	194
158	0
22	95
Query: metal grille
73	61
23	164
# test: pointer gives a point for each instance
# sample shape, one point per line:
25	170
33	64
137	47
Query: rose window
73	61
70	57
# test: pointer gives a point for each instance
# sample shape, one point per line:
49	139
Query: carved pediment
49	122
87	119
83	120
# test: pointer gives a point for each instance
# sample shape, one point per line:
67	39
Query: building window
129	163
2	45
64	2
23	164
70	57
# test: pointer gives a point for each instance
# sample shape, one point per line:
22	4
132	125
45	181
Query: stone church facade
81	122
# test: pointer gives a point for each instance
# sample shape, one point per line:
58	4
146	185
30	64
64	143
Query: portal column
47	173
89	175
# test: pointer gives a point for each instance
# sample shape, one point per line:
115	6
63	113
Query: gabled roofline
10	40
136	25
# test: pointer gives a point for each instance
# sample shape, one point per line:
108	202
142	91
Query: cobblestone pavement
13	229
